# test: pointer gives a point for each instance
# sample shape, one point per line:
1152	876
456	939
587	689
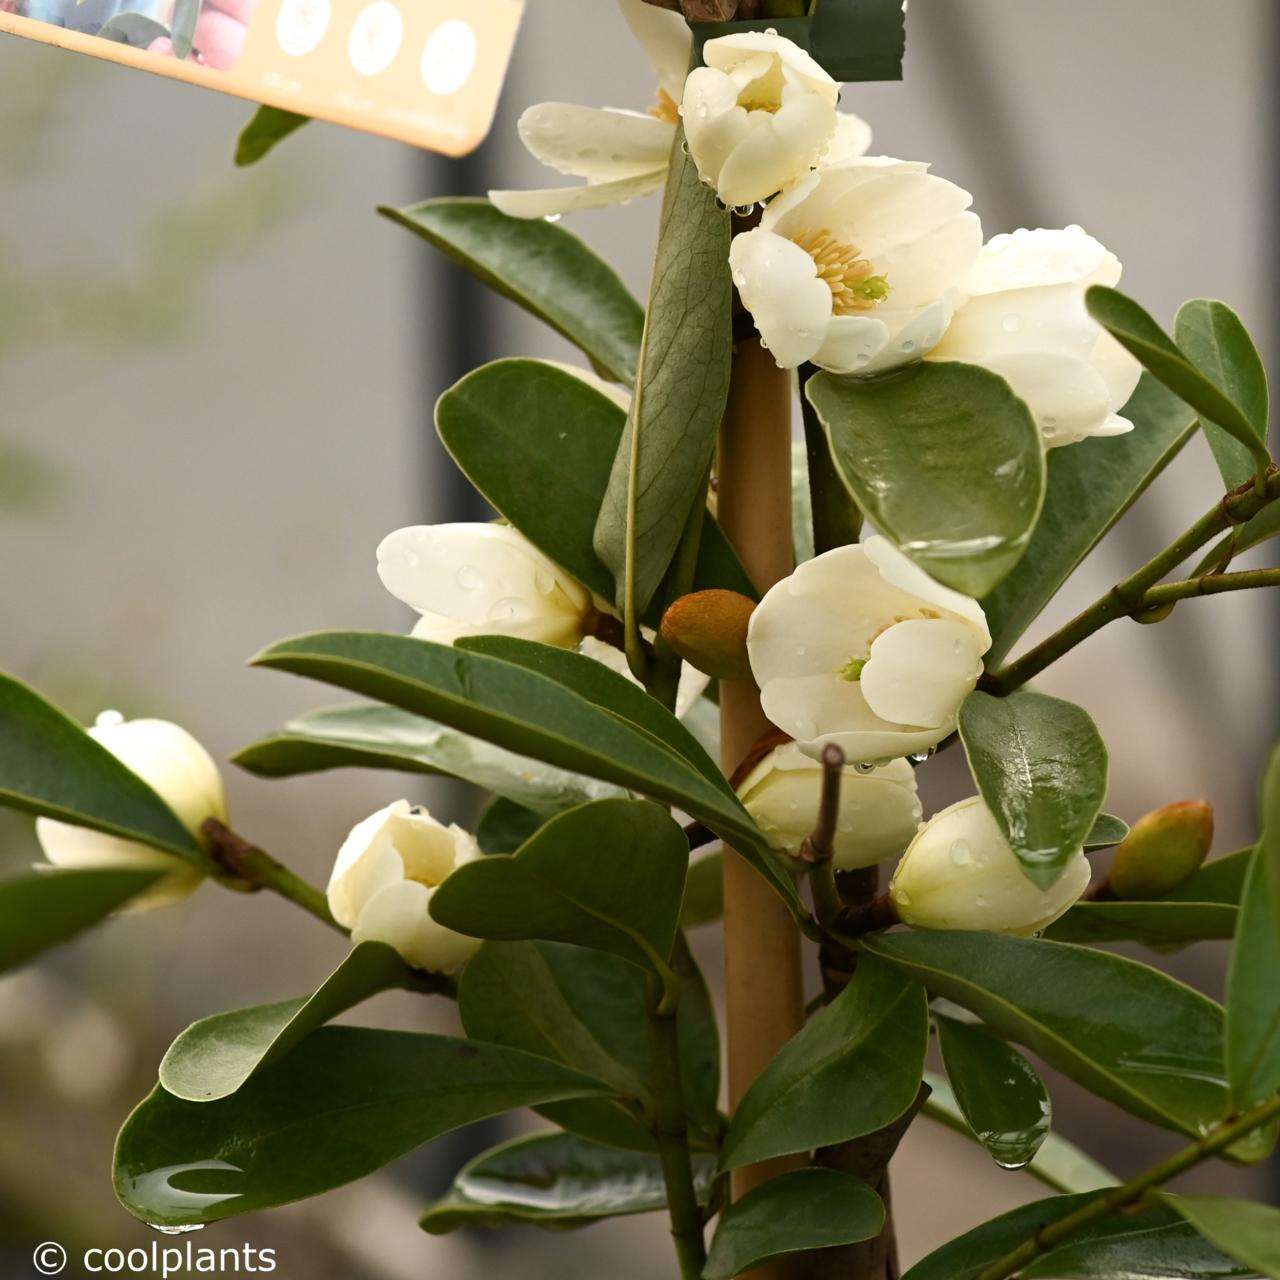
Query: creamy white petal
924	269
911	337
714	123
776	148
921	670
1118	369
778	284
900	571
781	61
1031	259
398	916
852	344
850	141
596	143
666	40
1050	318
553	202
1068	399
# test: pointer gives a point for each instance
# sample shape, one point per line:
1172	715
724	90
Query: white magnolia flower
758	115
960	873
1025	319
179	770
860	647
482	579
879	811
858	268
383	879
620	154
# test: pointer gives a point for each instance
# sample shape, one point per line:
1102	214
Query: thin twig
819	845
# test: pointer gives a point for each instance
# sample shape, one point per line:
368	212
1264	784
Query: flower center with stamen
841	267
666	108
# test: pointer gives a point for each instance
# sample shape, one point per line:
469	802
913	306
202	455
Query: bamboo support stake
763	986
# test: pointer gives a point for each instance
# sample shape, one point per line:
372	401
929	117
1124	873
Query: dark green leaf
1216	342
1124	1031
44	907
1002	1096
853	1069
1106	831
214	1057
960	492
703	891
1263	526
1139	334
563	441
682	383
269	126
1060	1165
557	1181
372	736
1249	1233
1253	984
1041	766
1155	1245
607	875
1090	486
1221	880
527	713
1161	924
183	27
801	1210
504	826
345	1102
543	268
51	767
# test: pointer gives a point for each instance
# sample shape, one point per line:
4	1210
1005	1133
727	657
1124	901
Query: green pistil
852	670
873	289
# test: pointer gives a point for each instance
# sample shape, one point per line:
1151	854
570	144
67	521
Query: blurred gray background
216	400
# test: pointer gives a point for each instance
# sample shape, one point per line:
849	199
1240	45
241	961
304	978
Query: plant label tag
426	72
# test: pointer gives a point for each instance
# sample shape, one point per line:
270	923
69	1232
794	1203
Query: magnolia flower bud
960	873
879	811
179	770
1162	850
708	629
861	648
383	879
758	115
482	579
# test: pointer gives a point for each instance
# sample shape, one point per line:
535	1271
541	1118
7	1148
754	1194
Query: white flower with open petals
860	647
878	815
858	268
620	154
1025	319
960	873
758	115
180	771
383	879
482	579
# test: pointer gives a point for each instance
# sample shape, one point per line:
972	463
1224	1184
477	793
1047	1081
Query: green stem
670	1130
1210	584
259	870
1132	1192
837	522
1130	596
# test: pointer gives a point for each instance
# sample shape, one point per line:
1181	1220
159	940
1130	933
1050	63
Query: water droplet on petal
468	578
108	720
176	1231
1011	323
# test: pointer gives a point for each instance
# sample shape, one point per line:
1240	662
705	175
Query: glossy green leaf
1262	527
1253	983
1060	1165
543	268
344	1103
563	441
1139	334
1107	830
1041	766
504	826
1247	1232
45	907
854	1068
607	875
703	891
960	492
682	383
528	713
556	1181
999	1091
269	126
1126	1032
1161	924
586	1009
51	767
372	736
1219	345
1090	486
1220	880
797	1211
1155	1245
214	1057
